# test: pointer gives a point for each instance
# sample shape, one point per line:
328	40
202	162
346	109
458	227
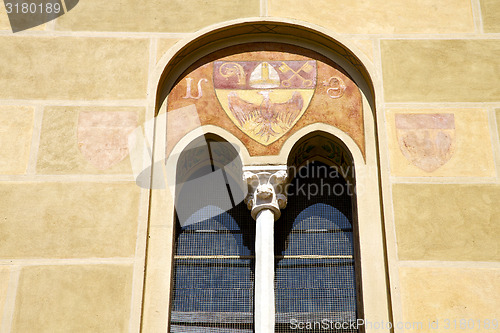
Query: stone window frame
159	241
264	314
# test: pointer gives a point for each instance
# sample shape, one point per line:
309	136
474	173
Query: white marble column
265	200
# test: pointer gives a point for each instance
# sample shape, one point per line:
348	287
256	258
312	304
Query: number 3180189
32	8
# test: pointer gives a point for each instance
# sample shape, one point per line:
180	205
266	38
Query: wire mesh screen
315	284
214	272
220	234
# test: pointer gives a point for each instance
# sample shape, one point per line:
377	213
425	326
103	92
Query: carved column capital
265	189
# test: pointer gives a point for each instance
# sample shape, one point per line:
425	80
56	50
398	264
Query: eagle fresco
267	116
266	98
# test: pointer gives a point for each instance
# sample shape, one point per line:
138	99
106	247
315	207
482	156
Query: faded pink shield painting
426	140
103	136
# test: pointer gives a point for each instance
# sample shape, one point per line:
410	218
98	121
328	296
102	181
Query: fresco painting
264	96
426	140
103	136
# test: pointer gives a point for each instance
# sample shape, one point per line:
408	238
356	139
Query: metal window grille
314	279
315	282
213	273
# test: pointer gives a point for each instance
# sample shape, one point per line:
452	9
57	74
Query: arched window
314	249
213	257
315	278
266	86
213	277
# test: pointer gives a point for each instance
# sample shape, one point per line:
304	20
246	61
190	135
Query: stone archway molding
271	29
171	66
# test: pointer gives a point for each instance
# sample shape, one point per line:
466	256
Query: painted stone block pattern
441	70
380	16
4	19
490	13
263	93
68	220
4	284
154	16
450	299
447	222
73	68
365	46
90	140
440	143
66	298
163	45
498	120
16	130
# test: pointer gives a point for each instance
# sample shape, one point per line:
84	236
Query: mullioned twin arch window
242	96
214	259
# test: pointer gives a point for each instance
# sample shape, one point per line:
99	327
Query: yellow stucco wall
73	227
440	70
73	298
16	131
450	299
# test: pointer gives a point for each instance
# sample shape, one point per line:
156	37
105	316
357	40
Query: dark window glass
213	272
314	280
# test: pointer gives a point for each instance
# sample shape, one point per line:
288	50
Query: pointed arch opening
213	273
318	276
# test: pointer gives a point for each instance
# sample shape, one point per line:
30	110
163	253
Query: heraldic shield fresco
264	92
426	140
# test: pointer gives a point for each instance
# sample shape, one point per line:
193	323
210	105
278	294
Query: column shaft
265	200
264	272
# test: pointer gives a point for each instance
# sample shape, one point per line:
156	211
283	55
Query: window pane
213	294
217	235
315	282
